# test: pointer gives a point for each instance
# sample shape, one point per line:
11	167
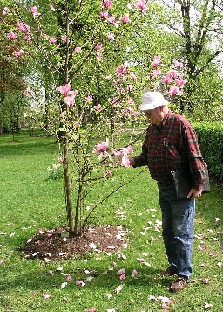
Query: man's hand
194	193
132	161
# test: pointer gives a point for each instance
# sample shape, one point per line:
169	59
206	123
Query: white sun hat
151	100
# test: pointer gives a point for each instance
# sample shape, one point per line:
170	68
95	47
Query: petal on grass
46	295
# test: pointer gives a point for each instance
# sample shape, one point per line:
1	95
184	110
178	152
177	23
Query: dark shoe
179	284
170	271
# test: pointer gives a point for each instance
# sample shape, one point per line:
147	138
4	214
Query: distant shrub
210	136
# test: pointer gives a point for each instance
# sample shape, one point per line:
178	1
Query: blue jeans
178	229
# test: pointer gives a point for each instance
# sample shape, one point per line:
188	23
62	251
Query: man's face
155	116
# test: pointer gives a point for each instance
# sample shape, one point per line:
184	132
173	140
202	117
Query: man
171	144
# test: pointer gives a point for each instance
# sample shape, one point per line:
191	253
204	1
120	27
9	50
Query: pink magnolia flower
167	79
52	40
6	10
99	46
80	283
64	89
34	11
104	14
89	98
178	65
109	173
142	6
101	148
121	70
156	61
111	19
156	72
18	53
12	35
180	82
173	74
122	277
60	160
98	108
70	99
99	56
27	37
107	4
165	307
133	76
129	88
68	277
64	38
121	271
110	36
77	49
175	90
125	18
46	295
23	27
134	273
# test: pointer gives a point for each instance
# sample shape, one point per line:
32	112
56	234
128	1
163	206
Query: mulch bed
55	244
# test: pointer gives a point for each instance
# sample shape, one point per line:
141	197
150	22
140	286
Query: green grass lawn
29	201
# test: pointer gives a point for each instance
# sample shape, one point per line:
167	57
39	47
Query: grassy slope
29	201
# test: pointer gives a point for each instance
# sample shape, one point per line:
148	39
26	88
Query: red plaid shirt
173	145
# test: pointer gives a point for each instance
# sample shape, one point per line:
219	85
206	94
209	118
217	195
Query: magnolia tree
96	85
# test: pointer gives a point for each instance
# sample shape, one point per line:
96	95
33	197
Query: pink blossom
77	49
126	161
12	35
178	65
175	90
34	11
107	4
122	277
129	88
68	277
18	53
6	10
121	271
180	82
69	100
134	273
109	172
99	56
101	148
110	36
111	19
80	283
156	61
64	38
27	37
23	27
60	160
167	79
3	260
98	108
91	310
46	295
125	18
173	74
99	46
133	76
52	40
156	72
64	89
88	98
104	14
121	70
142	6
165	307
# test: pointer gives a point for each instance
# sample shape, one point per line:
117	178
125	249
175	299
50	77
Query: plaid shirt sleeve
197	164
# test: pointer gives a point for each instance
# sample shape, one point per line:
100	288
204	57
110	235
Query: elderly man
170	145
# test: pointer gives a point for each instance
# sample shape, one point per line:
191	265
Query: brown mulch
56	244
